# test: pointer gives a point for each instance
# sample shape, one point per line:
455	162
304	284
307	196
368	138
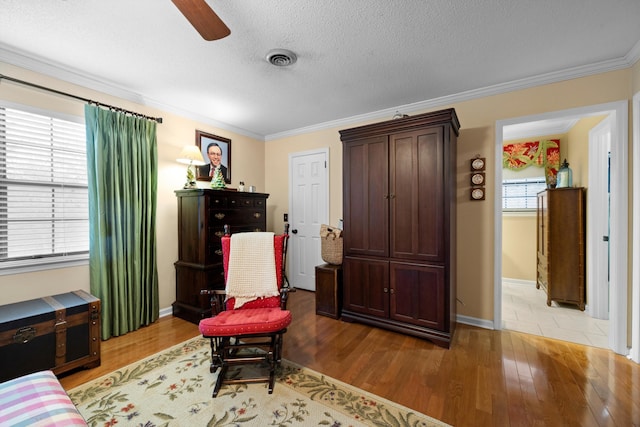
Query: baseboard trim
473	321
467	320
518	281
167	311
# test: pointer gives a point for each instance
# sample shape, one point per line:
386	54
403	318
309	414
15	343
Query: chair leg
278	347
272	379
273	361
216	346
224	351
220	379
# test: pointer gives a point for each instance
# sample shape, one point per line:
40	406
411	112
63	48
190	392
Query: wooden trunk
59	332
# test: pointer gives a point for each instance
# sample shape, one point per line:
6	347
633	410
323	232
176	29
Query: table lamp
191	155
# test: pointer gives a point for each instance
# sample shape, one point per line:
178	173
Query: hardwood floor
121	351
487	378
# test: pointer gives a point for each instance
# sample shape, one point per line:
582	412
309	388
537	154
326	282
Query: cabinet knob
218	252
219	233
219	215
385	290
257	214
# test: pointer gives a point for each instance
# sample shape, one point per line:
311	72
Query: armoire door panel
403	194
430	237
418	295
417	195
368	290
366	186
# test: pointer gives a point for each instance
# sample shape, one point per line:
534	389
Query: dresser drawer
220	217
218	202
249	202
214	247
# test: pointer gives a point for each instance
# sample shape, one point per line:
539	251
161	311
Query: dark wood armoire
399	203
202	215
561	245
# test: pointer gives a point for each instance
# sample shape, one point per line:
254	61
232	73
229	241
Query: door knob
294	231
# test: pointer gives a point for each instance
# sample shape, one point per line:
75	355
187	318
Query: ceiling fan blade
203	19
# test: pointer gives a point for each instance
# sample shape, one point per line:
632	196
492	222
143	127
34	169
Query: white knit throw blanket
252	271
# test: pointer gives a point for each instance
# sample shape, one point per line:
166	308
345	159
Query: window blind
43	189
521	194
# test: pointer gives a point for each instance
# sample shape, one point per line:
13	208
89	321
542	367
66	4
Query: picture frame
204	140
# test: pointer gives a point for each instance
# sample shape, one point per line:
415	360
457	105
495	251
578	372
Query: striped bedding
37	400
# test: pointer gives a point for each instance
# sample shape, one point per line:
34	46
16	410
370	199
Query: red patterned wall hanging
544	154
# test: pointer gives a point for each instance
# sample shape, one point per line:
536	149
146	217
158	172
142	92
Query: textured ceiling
355	57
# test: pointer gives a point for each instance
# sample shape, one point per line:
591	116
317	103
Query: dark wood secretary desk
202	214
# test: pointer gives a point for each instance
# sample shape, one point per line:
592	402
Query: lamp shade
191	155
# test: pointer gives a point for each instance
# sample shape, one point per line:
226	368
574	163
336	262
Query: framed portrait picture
216	151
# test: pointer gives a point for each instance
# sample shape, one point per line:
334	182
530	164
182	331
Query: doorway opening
617	113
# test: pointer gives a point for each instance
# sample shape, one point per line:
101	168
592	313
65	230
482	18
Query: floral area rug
173	388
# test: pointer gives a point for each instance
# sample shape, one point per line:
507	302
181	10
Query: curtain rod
99	104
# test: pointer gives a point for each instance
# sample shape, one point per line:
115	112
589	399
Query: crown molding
542	79
634	54
64	73
69	75
61	72
203	119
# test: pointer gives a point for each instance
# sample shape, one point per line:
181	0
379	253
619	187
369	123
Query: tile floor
524	309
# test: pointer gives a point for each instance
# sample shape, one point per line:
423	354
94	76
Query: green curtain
122	169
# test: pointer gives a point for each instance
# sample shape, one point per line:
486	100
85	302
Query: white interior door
308	209
598	221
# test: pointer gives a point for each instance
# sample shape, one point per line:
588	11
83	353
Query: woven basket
331	246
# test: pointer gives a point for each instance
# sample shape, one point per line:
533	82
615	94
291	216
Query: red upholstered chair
241	323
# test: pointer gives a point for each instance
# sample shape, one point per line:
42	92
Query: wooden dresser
561	244
399	200
202	214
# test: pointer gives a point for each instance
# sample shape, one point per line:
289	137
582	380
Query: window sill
528	212
30	266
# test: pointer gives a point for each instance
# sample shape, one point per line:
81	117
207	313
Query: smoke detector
281	57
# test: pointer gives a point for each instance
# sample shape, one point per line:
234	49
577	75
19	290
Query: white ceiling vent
281	57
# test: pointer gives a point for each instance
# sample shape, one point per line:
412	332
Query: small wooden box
59	332
329	290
